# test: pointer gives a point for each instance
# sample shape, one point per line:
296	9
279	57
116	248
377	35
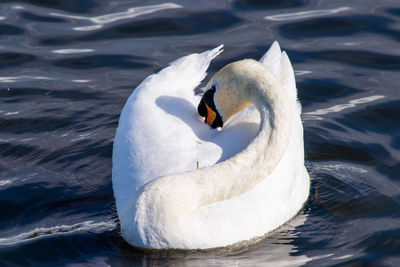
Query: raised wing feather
279	64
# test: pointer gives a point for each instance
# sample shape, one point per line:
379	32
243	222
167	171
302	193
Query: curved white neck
264	152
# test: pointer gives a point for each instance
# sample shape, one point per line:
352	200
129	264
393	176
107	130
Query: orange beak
210	115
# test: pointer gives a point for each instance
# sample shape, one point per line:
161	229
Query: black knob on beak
208	110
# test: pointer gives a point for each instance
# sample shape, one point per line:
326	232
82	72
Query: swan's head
228	92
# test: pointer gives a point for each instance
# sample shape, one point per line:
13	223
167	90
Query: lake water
67	68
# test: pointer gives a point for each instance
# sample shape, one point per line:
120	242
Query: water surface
67	68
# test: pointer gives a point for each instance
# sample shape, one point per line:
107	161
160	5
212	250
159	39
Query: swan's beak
208	110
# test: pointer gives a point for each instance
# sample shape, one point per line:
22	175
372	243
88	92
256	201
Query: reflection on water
281	252
100	21
69	66
306	14
337	108
59	229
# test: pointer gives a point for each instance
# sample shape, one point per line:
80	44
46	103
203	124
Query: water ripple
10	30
76	6
43	232
339	26
100	21
115	61
182	25
14	59
356	57
338	108
20	78
306	14
67	68
35	125
73	51
323	90
41	18
271	4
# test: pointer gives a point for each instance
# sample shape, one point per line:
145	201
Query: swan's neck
242	172
276	121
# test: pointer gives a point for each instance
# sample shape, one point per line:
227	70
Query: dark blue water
67	68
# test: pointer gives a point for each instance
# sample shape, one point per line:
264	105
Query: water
67	68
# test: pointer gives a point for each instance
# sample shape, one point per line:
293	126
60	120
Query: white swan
251	178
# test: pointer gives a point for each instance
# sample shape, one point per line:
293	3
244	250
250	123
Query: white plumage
164	201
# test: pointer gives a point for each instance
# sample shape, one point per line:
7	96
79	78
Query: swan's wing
159	130
279	64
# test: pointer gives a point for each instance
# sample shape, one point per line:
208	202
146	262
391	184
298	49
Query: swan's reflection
275	249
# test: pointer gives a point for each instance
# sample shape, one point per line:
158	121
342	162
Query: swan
181	184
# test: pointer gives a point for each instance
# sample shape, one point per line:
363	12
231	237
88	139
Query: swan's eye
208	110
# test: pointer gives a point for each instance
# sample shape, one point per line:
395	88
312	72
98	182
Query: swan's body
164	201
